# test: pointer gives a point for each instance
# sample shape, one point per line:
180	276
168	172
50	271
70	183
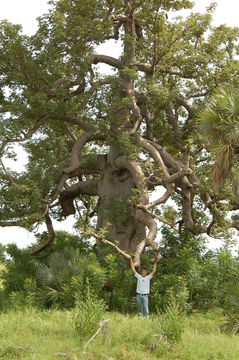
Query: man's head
144	271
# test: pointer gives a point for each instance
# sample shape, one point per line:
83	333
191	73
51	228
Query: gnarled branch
51	235
109	60
88	187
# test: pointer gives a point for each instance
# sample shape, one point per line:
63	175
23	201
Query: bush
232	316
64	275
88	312
173	322
18	267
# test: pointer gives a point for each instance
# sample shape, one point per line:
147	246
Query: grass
35	334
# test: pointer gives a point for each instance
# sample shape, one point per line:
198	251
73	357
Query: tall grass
48	335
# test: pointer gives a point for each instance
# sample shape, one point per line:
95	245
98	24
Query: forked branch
101	238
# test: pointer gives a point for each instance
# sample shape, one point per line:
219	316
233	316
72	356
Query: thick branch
73	120
109	60
51	235
175	165
162	199
75	160
149	124
183	102
77	149
154	153
137	115
144	67
173	121
187	210
88	187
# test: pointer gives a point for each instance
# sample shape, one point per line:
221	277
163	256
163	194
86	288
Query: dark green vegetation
197	279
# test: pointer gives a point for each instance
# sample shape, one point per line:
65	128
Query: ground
48	335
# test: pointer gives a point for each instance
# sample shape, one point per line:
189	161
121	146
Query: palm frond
219	125
220	119
222	166
45	275
208	120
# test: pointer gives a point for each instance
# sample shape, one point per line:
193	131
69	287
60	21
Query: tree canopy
98	144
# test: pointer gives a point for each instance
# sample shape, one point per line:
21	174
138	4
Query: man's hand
132	265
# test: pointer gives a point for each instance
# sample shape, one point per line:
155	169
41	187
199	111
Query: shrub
232	316
173	321
87	314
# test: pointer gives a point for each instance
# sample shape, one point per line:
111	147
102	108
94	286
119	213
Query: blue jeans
143	304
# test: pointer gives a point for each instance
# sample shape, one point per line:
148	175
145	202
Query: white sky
25	12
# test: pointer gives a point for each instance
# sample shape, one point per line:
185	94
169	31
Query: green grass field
33	334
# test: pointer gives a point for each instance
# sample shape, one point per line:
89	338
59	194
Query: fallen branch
103	325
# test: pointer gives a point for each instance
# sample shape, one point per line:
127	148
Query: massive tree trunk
115	189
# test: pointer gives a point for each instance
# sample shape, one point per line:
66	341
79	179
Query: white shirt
143	283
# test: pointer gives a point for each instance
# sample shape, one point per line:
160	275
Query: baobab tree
97	143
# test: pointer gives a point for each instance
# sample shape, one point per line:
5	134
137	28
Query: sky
25	12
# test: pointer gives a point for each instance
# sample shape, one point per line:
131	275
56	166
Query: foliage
53	277
63	240
2	251
197	278
119	288
19	266
182	255
88	313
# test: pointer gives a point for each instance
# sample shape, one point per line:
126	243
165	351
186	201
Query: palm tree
55	276
65	275
219	125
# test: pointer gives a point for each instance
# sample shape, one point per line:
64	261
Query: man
143	286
